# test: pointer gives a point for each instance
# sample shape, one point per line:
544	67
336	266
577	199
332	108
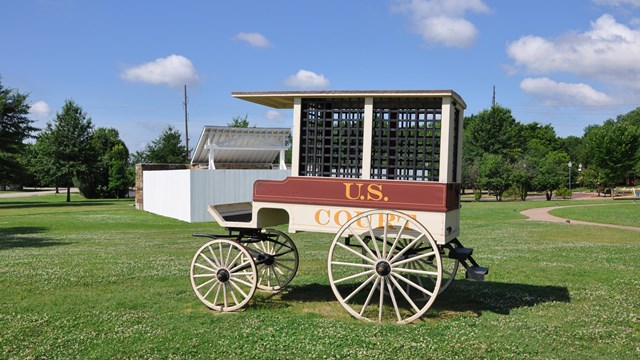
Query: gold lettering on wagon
373	192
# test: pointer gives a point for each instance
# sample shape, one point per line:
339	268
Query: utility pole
493	101
186	119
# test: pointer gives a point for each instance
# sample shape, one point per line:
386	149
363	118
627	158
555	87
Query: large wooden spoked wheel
388	279
276	258
223	275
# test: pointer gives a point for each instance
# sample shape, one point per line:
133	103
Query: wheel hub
265	259
223	275
383	268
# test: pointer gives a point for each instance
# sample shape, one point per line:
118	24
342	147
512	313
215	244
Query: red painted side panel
380	194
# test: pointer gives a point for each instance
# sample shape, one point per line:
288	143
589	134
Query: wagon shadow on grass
461	297
26	237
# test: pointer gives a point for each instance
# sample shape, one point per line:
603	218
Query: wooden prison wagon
381	172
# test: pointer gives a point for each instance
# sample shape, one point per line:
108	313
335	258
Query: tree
66	144
492	131
118	177
95	183
614	149
15	127
495	174
521	175
552	173
167	148
239	122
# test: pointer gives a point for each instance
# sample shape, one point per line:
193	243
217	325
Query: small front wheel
223	275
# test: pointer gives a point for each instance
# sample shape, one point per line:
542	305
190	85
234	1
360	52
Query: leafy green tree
95	183
521	176
66	144
118	164
167	148
492	131
614	149
495	174
239	122
552	173
15	127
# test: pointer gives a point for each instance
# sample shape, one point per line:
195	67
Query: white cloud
274	115
618	2
442	21
40	109
554	93
254	39
173	70
307	80
608	53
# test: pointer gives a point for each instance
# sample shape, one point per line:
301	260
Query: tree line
501	155
71	152
505	157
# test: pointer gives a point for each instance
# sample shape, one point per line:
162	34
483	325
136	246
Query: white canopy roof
229	145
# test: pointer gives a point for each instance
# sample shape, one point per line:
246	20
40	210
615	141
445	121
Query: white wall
167	193
186	194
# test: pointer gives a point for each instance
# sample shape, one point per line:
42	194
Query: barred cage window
406	139
331	137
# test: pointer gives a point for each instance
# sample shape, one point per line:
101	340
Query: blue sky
567	63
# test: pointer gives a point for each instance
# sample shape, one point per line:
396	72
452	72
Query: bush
512	193
564	193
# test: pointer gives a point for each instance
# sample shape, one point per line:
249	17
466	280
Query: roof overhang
285	99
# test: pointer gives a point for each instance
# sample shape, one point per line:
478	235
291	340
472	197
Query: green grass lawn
99	279
625	212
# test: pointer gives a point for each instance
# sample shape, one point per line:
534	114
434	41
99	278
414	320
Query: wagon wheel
276	258
223	275
449	267
370	279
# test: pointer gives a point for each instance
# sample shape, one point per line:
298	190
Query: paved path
20	194
542	214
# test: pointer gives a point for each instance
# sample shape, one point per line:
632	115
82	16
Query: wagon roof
284	99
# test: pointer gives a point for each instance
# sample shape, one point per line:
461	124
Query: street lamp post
570	165
580	175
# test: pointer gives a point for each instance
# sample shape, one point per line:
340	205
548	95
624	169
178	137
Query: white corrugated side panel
210	187
167	193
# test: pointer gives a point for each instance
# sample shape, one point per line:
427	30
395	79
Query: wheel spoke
202	275
409	282
213	255
206	283
373	238
242	266
406	248
366	303
354	276
211	288
413	271
406	296
393	301
384	236
205	267
238	288
360	265
359	288
414	258
395	241
233	293
381	304
246	283
363	244
209	261
370	260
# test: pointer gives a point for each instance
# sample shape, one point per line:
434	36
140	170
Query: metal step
460	253
477	273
